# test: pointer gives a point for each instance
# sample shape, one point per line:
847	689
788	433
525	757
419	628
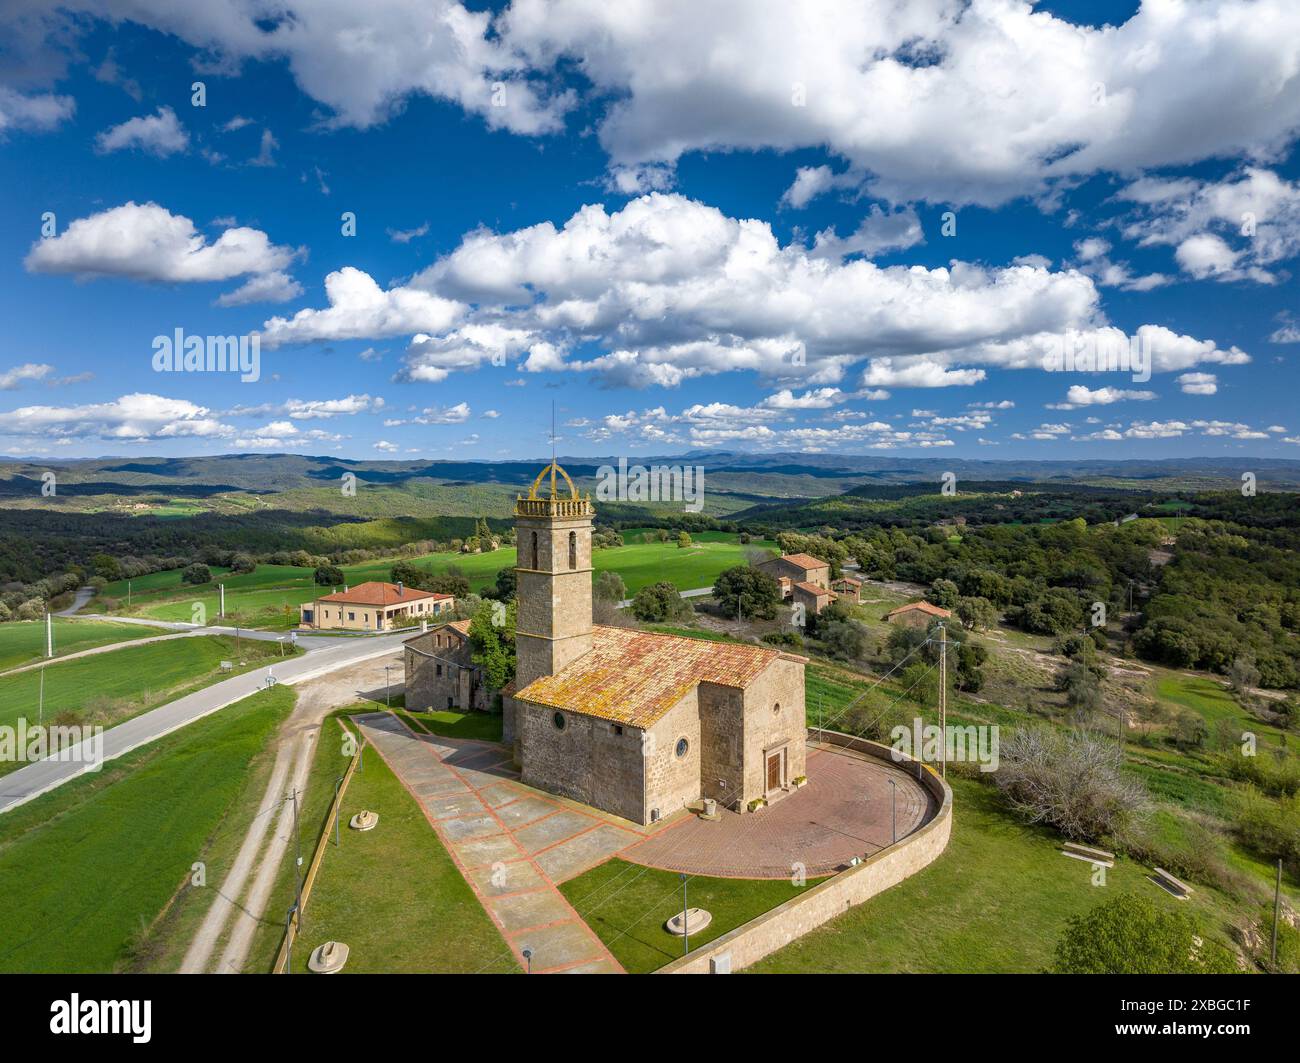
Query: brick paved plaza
514	843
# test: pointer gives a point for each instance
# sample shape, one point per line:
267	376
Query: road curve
29	782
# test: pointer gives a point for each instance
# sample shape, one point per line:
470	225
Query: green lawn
85	868
484	726
269	596
22	642
393	895
627	906
112	687
997	900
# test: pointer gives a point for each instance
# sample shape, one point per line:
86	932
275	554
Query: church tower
553	537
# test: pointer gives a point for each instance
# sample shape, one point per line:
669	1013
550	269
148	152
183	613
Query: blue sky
721	227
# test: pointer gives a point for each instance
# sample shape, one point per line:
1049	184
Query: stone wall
554	597
442	672
766	727
749	943
587	760
673	782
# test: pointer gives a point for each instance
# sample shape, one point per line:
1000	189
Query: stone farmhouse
917	614
804	579
635	723
440	670
374	607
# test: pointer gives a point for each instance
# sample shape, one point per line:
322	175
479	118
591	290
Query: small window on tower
535	564
573	549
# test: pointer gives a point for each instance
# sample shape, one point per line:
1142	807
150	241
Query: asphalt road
35	779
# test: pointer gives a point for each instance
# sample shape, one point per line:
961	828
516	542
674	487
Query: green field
84	870
112	687
22	642
997	900
269	596
394	895
627	906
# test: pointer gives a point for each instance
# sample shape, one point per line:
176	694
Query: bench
1088	854
1177	887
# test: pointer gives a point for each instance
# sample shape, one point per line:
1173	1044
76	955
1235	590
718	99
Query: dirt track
244	892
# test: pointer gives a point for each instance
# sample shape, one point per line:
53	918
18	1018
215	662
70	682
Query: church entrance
775	770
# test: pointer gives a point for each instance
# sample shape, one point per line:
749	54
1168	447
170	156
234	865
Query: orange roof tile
461	626
375	593
925	607
635	677
812	588
804	561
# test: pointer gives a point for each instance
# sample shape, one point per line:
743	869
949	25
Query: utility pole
1277	906
128	594
686	926
49	633
221	612
943	700
40	711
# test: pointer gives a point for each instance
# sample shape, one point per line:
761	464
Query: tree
242	564
976	614
944	593
683	538
107	566
1190	730
610	587
659	602
1129	934
1243	675
196	573
329	576
844	639
748	592
507	584
451	581
492	641
409	575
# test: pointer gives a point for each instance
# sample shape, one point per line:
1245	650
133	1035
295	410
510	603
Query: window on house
558	720
573	549
682	747
437	670
352	616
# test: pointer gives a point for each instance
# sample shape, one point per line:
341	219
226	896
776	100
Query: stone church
635	723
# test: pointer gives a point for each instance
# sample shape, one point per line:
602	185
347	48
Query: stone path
843	812
512	843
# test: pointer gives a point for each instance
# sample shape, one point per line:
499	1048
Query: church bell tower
553	538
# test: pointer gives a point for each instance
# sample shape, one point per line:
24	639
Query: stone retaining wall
749	943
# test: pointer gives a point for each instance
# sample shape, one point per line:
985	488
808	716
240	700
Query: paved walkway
843	812
512	843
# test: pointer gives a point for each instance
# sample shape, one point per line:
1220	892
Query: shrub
1069	781
1131	935
610	587
196	573
751	592
329	576
659	602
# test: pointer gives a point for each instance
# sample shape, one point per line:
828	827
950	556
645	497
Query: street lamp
893	810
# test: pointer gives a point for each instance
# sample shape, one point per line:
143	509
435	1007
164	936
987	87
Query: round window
558	719
682	747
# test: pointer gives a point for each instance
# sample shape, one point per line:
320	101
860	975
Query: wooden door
774	771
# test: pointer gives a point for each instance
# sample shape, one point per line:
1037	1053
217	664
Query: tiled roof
924	607
635	677
849	579
812	588
461	626
805	561
375	593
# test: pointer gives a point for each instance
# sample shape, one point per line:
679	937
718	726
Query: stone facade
635	723
799	568
440	671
